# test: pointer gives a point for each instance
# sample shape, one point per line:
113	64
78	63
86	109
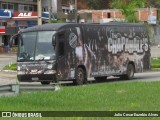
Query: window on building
9	6
2	23
65	2
63	10
25	8
45	9
108	15
30	8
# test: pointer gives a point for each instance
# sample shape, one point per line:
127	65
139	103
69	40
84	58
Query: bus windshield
36	46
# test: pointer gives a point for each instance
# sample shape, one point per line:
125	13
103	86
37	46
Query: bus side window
61	39
61	49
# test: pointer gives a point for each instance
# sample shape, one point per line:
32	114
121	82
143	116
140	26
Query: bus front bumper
36	78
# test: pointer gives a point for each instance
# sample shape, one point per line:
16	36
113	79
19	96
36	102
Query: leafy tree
97	4
154	3
128	8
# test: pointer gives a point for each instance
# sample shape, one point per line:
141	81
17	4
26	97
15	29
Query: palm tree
128	8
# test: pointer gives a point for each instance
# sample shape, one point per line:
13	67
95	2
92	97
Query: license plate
35	78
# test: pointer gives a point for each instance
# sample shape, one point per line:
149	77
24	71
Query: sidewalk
7	77
7	58
155	51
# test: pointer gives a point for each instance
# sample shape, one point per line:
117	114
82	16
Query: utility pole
76	20
39	3
50	10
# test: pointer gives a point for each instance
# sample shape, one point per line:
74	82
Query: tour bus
70	51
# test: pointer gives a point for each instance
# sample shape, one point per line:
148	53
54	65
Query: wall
45	3
115	14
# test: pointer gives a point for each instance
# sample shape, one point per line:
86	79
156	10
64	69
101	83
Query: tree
97	4
154	3
128	8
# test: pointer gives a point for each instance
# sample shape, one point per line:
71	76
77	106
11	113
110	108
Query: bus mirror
12	39
20	39
54	41
11	42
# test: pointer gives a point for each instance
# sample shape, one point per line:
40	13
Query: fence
14	89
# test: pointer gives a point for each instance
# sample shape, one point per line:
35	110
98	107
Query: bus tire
45	82
80	77
130	72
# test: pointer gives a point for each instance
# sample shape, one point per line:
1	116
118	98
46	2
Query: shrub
155	62
11	67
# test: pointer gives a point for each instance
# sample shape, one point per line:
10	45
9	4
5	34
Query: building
109	15
10	13
65	9
16	15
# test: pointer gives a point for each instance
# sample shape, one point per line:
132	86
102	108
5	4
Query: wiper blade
24	56
41	58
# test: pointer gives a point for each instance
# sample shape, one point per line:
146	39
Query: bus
69	51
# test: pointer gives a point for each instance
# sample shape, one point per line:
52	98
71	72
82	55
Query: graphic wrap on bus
79	51
107	51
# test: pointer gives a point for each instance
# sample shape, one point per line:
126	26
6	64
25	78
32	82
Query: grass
155	62
121	96
11	67
98	97
117	96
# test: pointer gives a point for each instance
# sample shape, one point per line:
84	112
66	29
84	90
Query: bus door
71	47
67	48
60	42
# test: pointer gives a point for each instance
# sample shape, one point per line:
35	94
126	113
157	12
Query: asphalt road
10	78
155	51
6	59
140	77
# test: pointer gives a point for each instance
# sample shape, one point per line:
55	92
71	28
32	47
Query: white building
46	3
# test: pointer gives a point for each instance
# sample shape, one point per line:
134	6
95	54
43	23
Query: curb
8	71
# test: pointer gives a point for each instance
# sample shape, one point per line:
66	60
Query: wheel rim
130	71
80	76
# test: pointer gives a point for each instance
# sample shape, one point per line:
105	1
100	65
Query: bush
11	67
155	65
155	62
58	21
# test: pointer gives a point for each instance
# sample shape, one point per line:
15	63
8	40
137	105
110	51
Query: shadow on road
108	80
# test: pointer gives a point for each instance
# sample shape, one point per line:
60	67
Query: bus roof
57	26
47	27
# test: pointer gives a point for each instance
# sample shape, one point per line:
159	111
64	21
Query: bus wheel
98	79
80	77
45	82
130	72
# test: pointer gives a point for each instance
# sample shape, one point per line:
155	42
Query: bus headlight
50	66
20	73
18	68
